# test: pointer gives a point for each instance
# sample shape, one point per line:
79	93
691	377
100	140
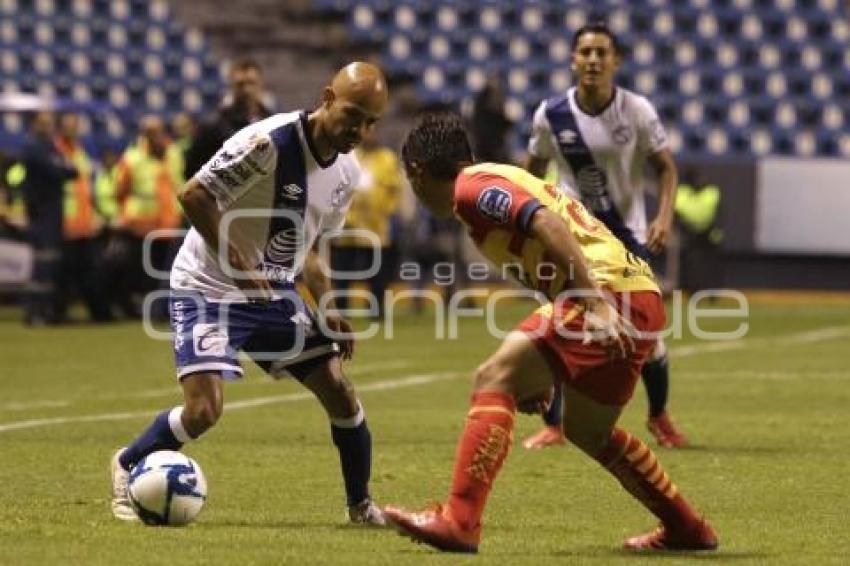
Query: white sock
175	421
353	421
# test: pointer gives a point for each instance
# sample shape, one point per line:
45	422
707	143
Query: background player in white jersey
257	207
601	138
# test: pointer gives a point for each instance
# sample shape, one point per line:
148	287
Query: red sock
483	447
636	467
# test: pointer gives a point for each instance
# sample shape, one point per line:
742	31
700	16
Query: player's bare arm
536	165
320	287
202	210
668	177
603	322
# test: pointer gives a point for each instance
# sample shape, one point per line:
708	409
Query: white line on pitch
408	381
805	337
26	405
764	375
355	370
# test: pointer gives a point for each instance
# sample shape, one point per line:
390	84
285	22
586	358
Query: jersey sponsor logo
209	339
301	318
592	184
244	173
225	177
567	137
282	247
236	162
277	273
622	134
582	217
291	192
494	203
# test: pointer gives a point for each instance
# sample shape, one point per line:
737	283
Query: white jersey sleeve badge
243	160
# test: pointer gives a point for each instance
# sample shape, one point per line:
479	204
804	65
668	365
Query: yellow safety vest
79	218
151	201
16	213
106	193
374	203
697	208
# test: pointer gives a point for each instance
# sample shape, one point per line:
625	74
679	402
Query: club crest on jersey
494	203
621	134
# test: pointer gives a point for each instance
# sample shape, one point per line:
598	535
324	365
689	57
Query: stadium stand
756	77
119	59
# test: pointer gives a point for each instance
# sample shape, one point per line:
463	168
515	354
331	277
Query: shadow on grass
271	524
604	551
731	449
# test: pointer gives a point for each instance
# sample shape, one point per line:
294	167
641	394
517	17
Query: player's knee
588	441
344	398
493	376
200	415
336	394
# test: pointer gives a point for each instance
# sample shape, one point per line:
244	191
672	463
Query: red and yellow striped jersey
497	202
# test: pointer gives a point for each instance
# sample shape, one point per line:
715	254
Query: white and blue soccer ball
167	488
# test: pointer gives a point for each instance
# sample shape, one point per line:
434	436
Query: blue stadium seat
761	110
827	144
738	140
783	141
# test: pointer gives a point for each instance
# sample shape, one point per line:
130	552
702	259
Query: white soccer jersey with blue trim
276	196
620	138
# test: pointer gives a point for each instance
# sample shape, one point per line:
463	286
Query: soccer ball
167	488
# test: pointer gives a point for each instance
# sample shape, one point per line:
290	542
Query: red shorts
588	368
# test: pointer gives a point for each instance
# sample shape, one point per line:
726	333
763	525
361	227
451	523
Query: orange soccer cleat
699	536
433	526
549	435
665	432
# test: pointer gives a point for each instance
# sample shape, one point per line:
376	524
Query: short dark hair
439	143
246	64
597	27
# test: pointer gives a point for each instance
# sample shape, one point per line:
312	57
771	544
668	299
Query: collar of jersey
605	106
322	163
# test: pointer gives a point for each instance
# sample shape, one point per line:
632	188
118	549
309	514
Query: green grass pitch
768	418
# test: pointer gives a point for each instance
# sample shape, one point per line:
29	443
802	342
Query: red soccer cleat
433	526
545	437
665	432
700	536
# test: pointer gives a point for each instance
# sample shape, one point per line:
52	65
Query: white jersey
276	195
619	138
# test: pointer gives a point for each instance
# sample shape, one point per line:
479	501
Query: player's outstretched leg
590	426
656	380
203	402
552	433
351	436
515	371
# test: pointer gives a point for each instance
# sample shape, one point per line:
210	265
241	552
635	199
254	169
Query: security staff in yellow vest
105	187
14	212
697	208
376	199
149	174
82	250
